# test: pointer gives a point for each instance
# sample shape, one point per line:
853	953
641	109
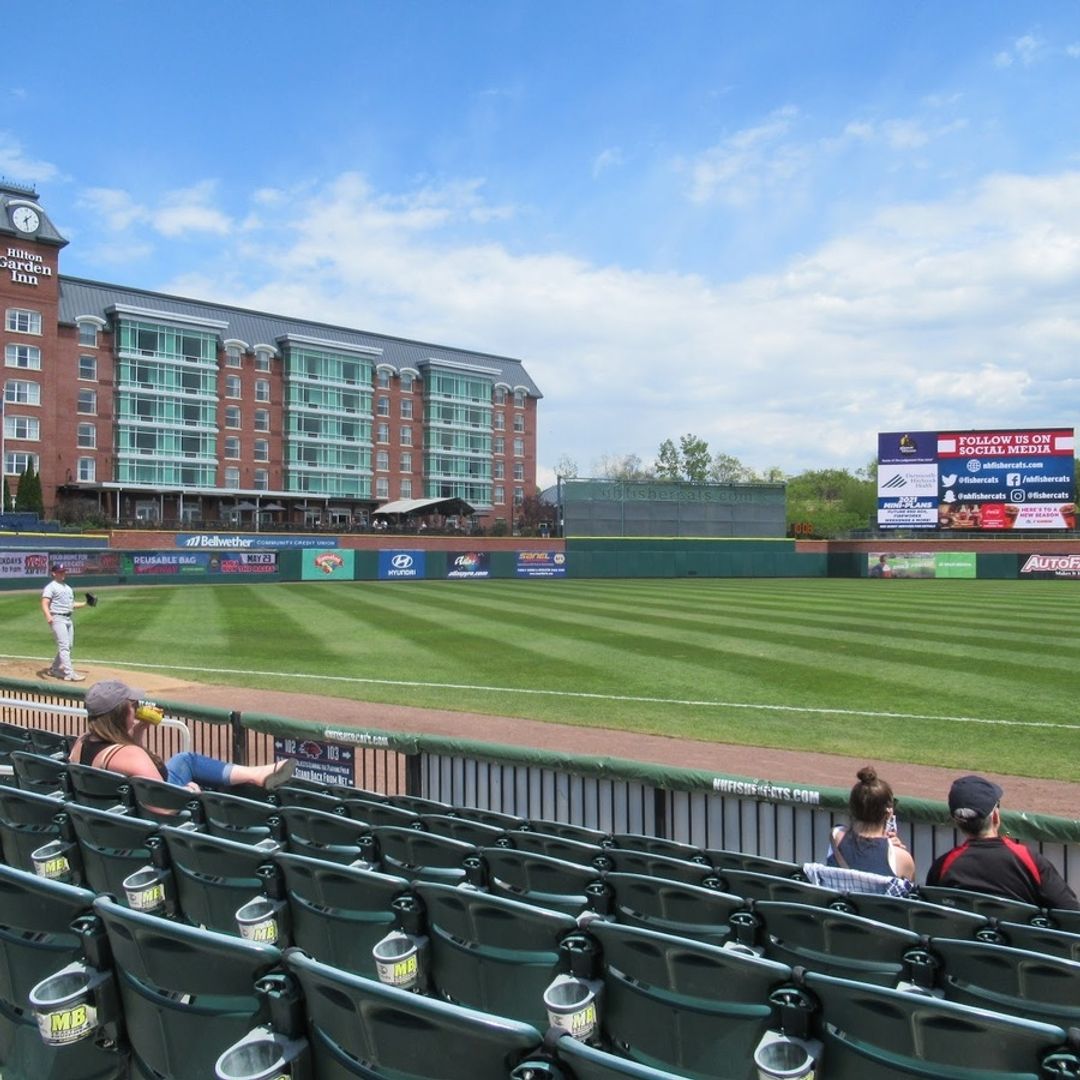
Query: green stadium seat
722	859
421	856
582	833
932	920
535	879
376	813
556	847
591	1063
1012	981
491	953
755	886
1001	908
1041	939
27	822
658	845
458	828
682	1005
835	942
167	804
672	907
187	993
629	861
10	744
41	774
338	913
1061	919
489	817
232	817
111	846
361	1028
99	788
417	805
51	743
37	938
292	794
887	1034
332	837
213	877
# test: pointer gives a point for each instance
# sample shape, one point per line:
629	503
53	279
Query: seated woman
115	736
870	842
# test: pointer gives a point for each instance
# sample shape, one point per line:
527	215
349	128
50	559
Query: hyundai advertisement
401	565
977	480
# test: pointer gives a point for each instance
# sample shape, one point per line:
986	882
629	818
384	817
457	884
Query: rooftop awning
424	506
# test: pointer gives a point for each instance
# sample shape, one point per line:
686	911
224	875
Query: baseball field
963	674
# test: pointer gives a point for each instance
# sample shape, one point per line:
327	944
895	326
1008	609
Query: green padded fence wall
614	557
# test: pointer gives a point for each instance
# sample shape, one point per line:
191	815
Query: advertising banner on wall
240	542
1049	566
986	480
244	562
541	564
327	565
34	564
468	564
168	562
401	565
921	564
320	762
15	564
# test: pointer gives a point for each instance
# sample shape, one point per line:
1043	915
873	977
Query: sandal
281	774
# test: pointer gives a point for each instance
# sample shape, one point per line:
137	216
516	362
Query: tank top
92	745
868	853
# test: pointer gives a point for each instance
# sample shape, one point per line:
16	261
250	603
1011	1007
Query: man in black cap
990	862
57	602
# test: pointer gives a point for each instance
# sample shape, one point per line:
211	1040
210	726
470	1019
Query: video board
993	480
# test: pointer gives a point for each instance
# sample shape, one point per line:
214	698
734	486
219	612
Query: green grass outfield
963	674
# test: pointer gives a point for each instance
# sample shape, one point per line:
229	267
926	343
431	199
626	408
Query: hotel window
405	463
500	470
22	392
382	432
500	422
519	399
262	419
406	409
22	427
232	447
384	379
406	382
88	368
262	480
262	451
498	444
500	495
406	436
382	487
86	437
88	333
232	416
519	470
234	357
22	321
519	422
87	470
232	477
406	489
500	395
262	360
16	462
382	460
27	357
232	386
262	390
383	407
519	448
87	403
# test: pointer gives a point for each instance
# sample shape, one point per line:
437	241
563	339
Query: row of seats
169	1000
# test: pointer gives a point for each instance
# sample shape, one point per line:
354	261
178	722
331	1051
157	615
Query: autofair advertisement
541	564
977	480
1049	566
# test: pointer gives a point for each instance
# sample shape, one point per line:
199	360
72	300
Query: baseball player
57	602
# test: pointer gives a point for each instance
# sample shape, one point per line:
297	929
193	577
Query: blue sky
780	226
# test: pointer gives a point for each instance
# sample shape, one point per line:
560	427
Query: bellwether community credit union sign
241	542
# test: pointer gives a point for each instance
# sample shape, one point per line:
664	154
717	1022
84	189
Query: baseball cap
103	697
973	797
58	568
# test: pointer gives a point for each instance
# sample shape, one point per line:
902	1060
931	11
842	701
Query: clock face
25	219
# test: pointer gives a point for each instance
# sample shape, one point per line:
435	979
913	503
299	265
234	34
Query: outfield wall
779	818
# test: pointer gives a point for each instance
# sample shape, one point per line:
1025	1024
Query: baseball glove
91	600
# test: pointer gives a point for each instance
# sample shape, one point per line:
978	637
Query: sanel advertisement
986	480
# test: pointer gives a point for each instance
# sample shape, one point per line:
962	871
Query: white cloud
608	158
1025	50
179	212
956	313
17	166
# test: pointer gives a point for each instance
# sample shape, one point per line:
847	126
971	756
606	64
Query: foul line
362	680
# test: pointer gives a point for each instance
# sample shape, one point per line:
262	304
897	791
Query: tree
726	469
566	467
695	458
832	499
624	467
668	462
6	500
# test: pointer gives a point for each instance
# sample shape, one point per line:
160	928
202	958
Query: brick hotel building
145	406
